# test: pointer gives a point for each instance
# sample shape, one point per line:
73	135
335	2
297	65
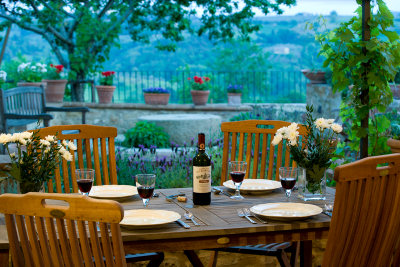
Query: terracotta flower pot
315	76
199	97
105	93
156	99
55	90
394	145
234	98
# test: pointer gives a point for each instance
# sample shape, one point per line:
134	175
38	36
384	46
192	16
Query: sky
342	7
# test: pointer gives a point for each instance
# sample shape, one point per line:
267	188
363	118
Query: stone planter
315	76
394	145
38	84
395	90
234	98
156	99
105	93
55	90
199	97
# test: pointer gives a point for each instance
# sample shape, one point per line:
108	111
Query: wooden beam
366	36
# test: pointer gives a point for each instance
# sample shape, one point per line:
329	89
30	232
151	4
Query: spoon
189	216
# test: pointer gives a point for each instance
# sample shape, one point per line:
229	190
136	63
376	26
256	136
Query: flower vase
312	184
29	186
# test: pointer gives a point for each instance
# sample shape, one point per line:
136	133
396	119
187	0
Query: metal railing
258	86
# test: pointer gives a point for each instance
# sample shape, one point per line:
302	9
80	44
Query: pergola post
366	36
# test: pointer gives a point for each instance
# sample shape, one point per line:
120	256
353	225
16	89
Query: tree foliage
81	33
359	65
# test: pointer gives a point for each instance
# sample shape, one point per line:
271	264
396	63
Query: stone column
326	103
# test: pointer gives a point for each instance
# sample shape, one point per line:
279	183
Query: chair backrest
42	232
28	100
250	141
95	150
365	226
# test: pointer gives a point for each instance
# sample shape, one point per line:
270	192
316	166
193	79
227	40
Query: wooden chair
42	233
95	150
24	105
250	141
365	226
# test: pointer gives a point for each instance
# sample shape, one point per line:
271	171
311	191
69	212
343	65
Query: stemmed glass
84	178
288	177
237	171
145	184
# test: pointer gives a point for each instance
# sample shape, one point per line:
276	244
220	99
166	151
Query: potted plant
34	161
3	78
234	94
55	85
106	88
156	96
31	74
313	154
199	89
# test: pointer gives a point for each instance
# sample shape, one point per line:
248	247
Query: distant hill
283	41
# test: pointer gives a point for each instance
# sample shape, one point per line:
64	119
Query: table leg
193	258
306	253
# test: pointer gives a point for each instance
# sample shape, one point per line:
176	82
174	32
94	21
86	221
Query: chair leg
213	259
193	258
283	259
295	254
156	262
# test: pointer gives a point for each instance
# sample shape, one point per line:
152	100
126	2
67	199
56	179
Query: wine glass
288	177
84	178
145	184
237	171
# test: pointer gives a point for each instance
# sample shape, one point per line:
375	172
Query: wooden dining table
220	225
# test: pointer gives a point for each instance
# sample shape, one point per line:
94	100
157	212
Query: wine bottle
201	174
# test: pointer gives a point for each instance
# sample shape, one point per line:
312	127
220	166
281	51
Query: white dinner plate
254	185
116	192
147	218
286	211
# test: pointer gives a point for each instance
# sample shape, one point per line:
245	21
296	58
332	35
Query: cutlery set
188	216
246	214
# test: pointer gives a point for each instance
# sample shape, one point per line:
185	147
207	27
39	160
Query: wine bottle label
202	179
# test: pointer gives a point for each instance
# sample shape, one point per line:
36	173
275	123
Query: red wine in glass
145	192
237	176
288	183
85	185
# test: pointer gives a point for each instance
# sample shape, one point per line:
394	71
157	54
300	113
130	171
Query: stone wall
326	103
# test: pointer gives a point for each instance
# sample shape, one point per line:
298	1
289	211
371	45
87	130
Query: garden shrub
147	134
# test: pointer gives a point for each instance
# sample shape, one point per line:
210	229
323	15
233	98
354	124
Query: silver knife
185	225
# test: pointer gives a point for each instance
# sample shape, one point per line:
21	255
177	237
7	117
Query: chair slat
36	253
256	152
106	244
104	162
241	146
44	244
234	146
88	153
248	154
112	161
66	176
96	160
264	150
225	156
18	256
53	241
84	242
95	244
64	243
80	152
77	257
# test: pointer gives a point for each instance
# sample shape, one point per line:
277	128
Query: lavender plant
172	172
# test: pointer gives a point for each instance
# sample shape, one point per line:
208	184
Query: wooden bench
24	105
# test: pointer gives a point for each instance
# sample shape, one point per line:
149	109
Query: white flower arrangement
35	159
30	72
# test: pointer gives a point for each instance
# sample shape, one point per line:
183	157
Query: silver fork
248	213
241	213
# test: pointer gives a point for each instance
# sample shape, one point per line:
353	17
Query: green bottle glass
201	174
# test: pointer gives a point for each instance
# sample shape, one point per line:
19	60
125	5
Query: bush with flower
35	159
155	90
31	72
3	77
235	88
199	83
315	152
107	78
54	72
